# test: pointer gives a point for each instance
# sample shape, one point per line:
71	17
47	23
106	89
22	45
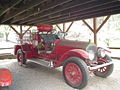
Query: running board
42	62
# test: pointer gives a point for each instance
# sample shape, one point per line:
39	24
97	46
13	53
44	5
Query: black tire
84	72
22	61
107	71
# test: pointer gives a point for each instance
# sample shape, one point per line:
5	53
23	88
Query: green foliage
118	29
6	31
1	35
107	41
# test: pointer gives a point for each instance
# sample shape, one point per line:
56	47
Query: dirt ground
37	77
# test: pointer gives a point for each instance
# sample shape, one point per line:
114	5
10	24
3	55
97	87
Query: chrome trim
99	66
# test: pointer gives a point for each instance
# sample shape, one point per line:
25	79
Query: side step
42	62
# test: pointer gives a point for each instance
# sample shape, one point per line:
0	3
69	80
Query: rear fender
16	49
74	53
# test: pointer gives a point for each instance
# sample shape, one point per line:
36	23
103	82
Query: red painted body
5	77
59	53
62	49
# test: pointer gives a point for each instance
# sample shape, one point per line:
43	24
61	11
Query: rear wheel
75	73
21	58
104	71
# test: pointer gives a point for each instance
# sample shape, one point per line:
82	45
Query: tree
1	35
7	30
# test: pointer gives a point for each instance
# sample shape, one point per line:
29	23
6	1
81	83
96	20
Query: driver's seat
49	40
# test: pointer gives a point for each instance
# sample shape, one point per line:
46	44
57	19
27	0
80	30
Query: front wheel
75	73
21	57
104	71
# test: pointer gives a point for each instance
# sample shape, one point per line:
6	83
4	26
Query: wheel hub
73	74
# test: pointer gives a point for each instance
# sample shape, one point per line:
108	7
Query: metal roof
33	12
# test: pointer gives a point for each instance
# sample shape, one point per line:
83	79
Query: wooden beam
44	8
85	16
88	25
21	30
94	24
116	58
23	9
14	29
94	30
59	9
7	48
69	26
75	14
65	11
8	7
114	47
63	27
103	23
59	28
27	30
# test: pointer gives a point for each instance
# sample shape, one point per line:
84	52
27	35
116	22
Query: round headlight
101	53
91	55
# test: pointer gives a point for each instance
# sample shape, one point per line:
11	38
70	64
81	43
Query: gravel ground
37	77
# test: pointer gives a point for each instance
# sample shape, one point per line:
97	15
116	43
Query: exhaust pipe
99	66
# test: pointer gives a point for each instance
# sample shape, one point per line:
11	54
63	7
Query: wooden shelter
33	12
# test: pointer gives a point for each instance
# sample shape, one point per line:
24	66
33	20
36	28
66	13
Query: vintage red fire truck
78	58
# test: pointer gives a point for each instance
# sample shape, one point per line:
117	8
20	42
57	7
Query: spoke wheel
21	57
104	71
75	72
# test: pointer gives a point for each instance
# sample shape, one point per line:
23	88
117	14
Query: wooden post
59	28
21	34
69	26
87	25
103	23
27	30
95	30
63	27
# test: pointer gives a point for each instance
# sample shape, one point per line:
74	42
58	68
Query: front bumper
99	66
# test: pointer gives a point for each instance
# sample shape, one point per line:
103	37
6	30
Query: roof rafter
23	9
47	7
78	11
9	6
89	15
81	14
59	9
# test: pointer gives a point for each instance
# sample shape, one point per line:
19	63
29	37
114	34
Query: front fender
75	53
16	49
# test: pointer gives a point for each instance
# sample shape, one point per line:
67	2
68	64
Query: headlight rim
91	52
